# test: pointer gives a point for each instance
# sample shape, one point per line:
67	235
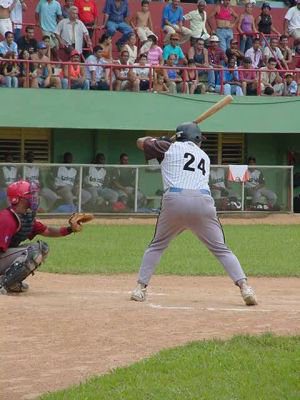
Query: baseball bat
213	109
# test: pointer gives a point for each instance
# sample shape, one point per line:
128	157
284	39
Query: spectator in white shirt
71	32
198	20
255	54
292	21
274	51
96	73
16	17
143	72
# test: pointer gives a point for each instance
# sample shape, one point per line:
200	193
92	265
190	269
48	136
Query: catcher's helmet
23	190
188	132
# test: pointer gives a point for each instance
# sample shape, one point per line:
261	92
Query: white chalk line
246	309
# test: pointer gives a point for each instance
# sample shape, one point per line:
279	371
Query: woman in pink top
246	28
154	54
225	19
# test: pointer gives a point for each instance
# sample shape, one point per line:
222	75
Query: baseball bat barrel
213	109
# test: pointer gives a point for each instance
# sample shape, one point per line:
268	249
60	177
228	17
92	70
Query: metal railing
153	69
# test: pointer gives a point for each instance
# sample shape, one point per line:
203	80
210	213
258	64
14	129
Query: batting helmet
23	190
188	132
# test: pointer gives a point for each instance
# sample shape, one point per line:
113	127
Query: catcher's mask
188	132
24	190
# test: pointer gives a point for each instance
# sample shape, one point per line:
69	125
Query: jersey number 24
188	166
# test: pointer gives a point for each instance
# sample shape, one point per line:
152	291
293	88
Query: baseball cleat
248	295
2	290
139	293
18	288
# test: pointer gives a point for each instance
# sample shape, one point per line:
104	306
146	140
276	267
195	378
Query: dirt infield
68	328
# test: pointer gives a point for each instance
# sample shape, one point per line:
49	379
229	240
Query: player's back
185	166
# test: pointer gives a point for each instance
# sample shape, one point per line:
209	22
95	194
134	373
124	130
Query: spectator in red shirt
18	223
248	77
88	14
217	59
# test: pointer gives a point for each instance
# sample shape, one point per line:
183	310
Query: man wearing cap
71	32
42	76
225	19
47	13
216	58
172	22
8	45
198	19
174	48
75	74
292	21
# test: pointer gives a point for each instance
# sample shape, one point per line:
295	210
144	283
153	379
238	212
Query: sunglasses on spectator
174	39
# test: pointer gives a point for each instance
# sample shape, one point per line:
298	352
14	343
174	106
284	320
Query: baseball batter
186	204
18	223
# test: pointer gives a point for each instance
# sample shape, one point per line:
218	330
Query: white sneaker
248	295
139	293
2	290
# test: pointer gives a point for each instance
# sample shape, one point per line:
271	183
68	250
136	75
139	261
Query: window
19	141
228	148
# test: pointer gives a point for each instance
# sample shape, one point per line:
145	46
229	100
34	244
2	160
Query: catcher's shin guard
16	273
21	268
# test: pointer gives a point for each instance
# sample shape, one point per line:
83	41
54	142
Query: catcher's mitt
77	219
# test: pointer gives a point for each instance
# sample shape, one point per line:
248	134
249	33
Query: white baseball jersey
256	178
95	177
217	177
9	174
185	166
31	173
65	176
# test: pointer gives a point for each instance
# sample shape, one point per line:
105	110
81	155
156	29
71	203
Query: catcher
18	223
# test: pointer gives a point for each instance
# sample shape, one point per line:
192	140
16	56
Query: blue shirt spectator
115	19
172	15
49	11
173	48
228	76
8	45
116	14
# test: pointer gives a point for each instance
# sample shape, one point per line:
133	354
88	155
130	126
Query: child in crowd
159	85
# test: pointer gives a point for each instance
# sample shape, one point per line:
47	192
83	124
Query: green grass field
243	368
263	250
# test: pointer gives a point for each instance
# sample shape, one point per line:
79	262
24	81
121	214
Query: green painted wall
79	142
84	144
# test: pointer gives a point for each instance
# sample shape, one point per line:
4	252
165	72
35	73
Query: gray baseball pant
264	192
189	209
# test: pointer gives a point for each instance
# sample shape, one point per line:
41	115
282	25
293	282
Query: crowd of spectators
216	52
